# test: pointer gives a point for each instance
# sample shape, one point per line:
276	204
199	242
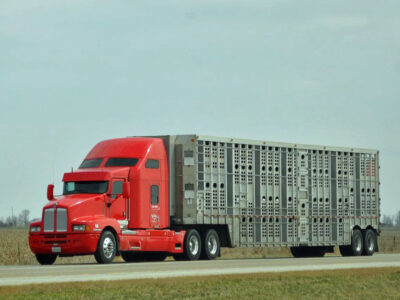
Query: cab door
117	204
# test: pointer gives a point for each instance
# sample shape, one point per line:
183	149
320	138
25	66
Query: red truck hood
74	199
80	205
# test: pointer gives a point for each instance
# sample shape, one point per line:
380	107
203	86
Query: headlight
80	228
35	228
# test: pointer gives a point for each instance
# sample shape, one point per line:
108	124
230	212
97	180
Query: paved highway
32	274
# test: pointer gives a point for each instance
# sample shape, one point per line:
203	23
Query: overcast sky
75	72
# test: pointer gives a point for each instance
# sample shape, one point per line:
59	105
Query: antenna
72	170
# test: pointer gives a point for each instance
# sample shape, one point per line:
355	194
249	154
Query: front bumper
64	244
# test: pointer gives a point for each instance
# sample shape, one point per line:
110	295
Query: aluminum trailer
270	194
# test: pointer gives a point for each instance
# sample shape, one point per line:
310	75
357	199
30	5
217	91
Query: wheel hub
108	247
370	244
193	245
358	243
212	245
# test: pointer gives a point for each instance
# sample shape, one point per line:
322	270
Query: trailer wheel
357	243
106	248
191	246
211	245
369	242
356	248
46	259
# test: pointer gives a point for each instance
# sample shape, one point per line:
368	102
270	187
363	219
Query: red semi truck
145	198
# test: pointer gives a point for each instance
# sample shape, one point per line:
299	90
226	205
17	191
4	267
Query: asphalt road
32	274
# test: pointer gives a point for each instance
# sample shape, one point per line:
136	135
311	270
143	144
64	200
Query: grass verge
380	283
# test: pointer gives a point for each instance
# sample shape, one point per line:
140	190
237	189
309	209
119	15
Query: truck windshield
85	187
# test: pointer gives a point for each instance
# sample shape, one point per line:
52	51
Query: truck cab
116	201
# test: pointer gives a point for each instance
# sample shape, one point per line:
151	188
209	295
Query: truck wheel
191	246
211	245
46	259
369	242
106	248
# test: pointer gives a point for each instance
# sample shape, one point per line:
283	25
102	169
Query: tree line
21	220
391	220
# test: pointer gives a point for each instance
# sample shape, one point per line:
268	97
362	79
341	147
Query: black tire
46	259
191	246
356	247
357	243
106	248
211	245
370	242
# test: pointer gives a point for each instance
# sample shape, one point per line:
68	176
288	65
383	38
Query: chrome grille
48	220
61	219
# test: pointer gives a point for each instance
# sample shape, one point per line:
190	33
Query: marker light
35	228
80	228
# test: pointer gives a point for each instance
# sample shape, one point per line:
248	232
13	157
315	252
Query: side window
154	195
152	164
116	189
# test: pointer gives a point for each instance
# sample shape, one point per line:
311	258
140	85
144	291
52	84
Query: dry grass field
14	249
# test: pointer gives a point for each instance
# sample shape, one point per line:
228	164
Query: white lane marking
194	272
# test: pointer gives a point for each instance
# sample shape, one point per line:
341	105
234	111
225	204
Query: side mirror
126	190
50	192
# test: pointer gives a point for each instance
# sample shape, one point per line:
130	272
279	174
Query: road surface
32	274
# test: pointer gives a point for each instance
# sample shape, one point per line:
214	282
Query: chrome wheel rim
358	243
193	245
108	247
212	245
